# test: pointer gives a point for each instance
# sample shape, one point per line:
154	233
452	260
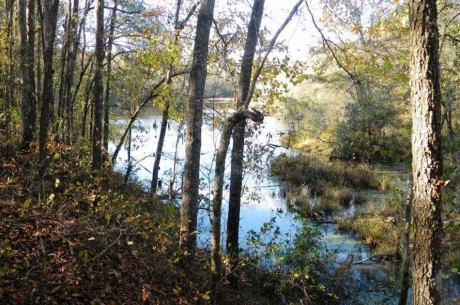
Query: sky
299	35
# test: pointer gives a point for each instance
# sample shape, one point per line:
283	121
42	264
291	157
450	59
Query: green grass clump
316	173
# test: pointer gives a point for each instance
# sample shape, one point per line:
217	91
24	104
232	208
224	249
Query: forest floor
74	237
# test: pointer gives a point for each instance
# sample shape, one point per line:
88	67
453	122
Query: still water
263	200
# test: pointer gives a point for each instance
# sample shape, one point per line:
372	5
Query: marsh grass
321	188
316	173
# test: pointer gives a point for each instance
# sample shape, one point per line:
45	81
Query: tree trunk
405	265
159	150
9	100
50	12
426	152
219	173
189	206
165	117
62	76
98	87
27	44
174	171
236	175
109	75
74	44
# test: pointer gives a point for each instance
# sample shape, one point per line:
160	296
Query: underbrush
75	236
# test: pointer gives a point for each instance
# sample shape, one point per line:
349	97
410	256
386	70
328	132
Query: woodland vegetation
368	153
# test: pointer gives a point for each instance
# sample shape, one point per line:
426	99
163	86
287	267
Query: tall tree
113	20
236	176
50	13
98	86
426	151
189	206
27	44
74	42
178	27
246	87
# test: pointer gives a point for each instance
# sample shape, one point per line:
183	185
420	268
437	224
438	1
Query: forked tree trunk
236	176
189	206
426	152
50	12
219	173
98	87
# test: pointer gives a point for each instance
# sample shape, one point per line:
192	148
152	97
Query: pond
264	199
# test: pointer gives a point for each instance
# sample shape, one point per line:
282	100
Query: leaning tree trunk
109	76
98	87
189	206
236	176
426	152
216	261
50	12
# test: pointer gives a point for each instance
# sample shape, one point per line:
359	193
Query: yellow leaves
27	203
206	296
51	197
57	182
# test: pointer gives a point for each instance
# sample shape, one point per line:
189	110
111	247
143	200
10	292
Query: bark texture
426	151
98	87
189	206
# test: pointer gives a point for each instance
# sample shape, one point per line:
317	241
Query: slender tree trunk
74	44
236	175
130	164
159	150
174	171
64	57
86	107
405	265
426	152
98	87
165	116
9	101
189	206
50	12
28	102
219	173
39	62
109	76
